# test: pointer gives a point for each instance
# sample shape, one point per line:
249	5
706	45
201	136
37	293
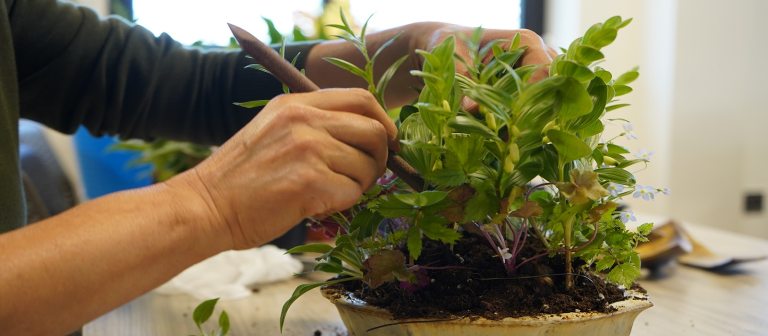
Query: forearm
67	270
401	88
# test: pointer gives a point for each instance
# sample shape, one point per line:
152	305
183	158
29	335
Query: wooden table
687	302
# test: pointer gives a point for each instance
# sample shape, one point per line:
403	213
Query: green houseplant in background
520	198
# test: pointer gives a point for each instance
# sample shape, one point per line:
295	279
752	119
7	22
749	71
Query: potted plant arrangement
517	224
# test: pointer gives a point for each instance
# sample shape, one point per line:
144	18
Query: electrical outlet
753	203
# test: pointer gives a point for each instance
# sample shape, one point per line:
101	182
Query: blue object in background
104	170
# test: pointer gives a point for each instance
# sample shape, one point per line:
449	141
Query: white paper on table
229	274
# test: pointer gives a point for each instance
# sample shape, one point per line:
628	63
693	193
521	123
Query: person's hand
304	155
427	35
422	35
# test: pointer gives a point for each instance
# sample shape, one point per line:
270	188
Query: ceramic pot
362	319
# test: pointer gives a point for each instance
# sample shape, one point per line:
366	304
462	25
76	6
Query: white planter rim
634	303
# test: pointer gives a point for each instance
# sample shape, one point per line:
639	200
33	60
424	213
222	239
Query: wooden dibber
297	82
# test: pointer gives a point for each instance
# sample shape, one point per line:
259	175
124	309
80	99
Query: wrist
194	210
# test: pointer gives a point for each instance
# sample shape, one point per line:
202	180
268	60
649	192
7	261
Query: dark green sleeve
113	77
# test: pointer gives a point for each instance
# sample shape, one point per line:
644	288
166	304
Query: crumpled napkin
227	275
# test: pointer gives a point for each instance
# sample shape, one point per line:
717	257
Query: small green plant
203	312
531	167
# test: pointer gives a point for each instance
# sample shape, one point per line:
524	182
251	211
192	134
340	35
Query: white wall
698	103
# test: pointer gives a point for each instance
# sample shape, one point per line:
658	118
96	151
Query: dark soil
471	282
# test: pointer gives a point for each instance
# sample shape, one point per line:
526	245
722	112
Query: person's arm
76	68
304	155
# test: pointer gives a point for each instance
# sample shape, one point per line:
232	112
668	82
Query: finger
358	132
355	164
353	100
469	105
552	52
537	52
336	192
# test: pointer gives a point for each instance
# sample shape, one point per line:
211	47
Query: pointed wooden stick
297	82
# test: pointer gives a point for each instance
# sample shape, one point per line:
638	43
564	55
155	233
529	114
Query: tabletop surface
687	301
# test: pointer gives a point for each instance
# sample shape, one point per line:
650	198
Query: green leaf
468	151
627	163
627	77
381	87
586	55
601	38
311	248
446	177
616	175
344	21
645	229
624	23
572	69
604	263
469	125
414	242
223	323
616	149
298	35
599	91
301	290
434	228
392	207
275	37
605	75
575	101
594	128
349	67
612	22
422	199
621	90
203	311
481	205
615	106
569	147
253	103
333	266
384	46
364	224
624	274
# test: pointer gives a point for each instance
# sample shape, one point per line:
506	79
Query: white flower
627	216
644	155
628	131
615	189
645	192
665	191
504	254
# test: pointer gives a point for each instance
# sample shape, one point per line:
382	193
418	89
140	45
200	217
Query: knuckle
294	113
304	146
527	33
280	99
377	131
365	97
304	182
